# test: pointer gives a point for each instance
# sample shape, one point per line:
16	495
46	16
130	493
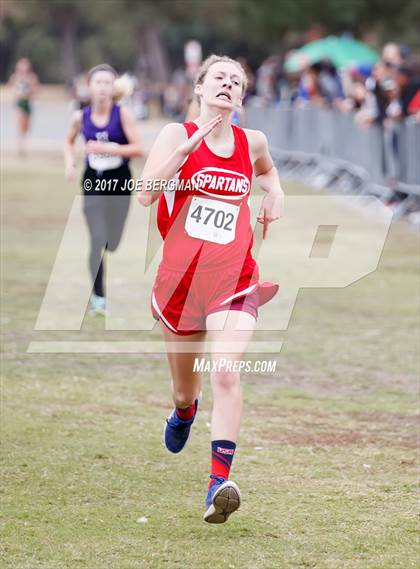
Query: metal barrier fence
332	137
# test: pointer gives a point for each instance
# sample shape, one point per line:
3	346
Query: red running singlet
207	263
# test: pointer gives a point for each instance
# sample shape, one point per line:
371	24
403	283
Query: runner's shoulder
126	112
255	136
175	130
76	117
172	135
257	140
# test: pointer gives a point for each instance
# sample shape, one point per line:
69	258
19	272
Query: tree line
62	37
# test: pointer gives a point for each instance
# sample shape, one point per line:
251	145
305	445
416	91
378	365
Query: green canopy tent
342	52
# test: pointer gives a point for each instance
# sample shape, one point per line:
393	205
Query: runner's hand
96	147
70	172
195	140
271	209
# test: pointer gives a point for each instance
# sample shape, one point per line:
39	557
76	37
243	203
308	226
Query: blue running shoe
223	499
177	431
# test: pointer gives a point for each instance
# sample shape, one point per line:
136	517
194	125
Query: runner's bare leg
186	383
226	386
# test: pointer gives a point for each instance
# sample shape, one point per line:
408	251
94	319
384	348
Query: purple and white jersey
112	132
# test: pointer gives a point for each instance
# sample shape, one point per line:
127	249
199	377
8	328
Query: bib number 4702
212	220
221	219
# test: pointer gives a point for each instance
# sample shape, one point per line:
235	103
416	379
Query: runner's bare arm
69	155
35	85
11	82
164	159
264	169
169	152
134	146
267	177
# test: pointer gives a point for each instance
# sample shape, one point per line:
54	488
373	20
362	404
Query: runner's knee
224	380
183	397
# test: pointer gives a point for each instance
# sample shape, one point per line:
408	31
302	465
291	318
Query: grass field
326	462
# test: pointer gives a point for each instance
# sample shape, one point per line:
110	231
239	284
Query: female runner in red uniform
207	284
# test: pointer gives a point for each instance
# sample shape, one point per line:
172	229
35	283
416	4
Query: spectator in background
289	87
176	94
393	108
321	85
356	96
354	87
251	85
392	116
414	106
309	90
372	109
267	78
330	84
408	86
391	55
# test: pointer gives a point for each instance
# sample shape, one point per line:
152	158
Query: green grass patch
326	461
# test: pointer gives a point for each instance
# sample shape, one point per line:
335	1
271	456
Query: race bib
211	220
102	162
